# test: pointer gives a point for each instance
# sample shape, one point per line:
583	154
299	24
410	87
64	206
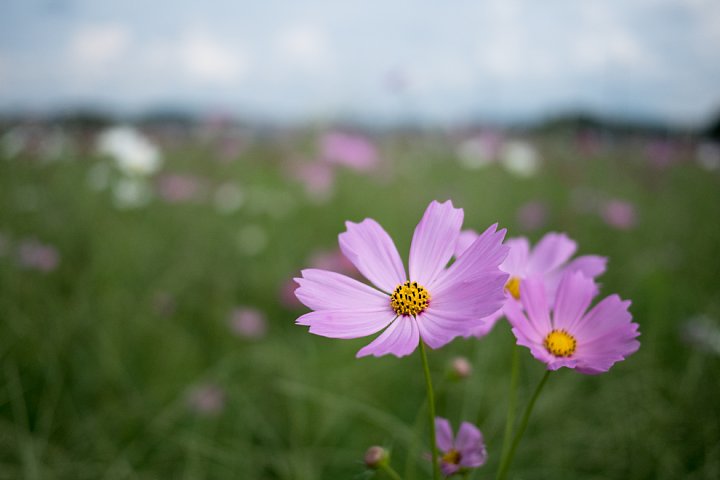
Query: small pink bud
376	456
461	367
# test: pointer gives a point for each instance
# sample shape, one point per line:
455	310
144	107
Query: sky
381	60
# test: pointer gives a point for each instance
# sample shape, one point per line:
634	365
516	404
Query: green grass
94	380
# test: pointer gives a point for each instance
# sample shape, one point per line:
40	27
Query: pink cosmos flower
548	260
566	335
532	215
248	323
465	451
354	151
37	256
434	303
619	214
178	188
206	399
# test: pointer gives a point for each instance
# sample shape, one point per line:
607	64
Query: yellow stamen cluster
560	343
452	456
513	287
409	299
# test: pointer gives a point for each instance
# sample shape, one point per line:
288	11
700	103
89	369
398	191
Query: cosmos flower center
513	287
409	299
452	456
560	343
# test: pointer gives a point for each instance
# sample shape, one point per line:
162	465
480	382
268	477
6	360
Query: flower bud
376	456
460	367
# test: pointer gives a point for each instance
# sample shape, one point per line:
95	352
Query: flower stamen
452	456
513	287
560	343
409	299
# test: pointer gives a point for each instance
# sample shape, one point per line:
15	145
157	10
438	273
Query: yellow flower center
560	343
409	299
452	456
513	287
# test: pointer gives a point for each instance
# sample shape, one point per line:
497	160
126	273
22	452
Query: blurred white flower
229	197
133	153
479	151
131	193
708	155
520	158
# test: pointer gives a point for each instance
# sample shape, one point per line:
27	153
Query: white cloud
94	46
303	46
208	60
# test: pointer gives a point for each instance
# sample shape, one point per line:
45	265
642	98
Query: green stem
512	403
431	411
389	471
502	472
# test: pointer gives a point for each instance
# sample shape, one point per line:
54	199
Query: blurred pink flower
532	215
619	214
248	323
37	256
332	260
176	188
660	153
206	399
287	295
353	151
317	178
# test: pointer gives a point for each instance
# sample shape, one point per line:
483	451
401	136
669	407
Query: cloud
94	46
207	60
303	46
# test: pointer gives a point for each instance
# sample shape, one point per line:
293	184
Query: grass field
118	360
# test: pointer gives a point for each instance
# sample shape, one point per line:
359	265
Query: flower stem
431	411
502	471
389	471
512	403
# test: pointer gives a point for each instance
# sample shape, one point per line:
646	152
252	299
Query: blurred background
167	168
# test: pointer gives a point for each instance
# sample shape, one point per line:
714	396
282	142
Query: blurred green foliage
95	378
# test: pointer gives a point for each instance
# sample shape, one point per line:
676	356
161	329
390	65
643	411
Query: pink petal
468	438
516	262
475	298
534	300
443	434
437	331
590	265
434	240
486	324
574	295
553	250
399	339
605	318
346	324
485	254
465	239
373	253
324	290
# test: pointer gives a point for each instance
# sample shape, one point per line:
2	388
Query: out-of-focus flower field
147	316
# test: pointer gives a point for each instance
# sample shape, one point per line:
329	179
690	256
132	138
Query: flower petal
346	324
484	255
433	242
324	290
400	338
468	439
486	324
574	295
437	331
534	300
553	250
464	240
443	434
373	253
516	261
590	265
